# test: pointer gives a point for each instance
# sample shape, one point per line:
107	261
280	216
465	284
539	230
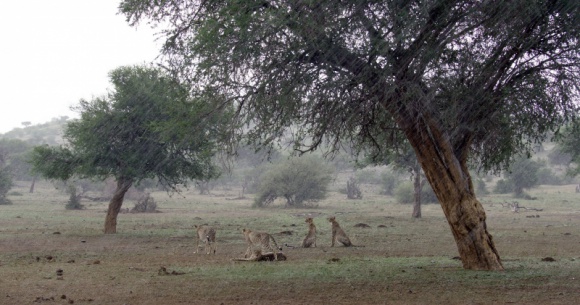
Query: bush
557	157
297	180
74	200
352	189
480	187
389	182
522	175
368	176
145	204
428	195
5	185
547	177
405	193
503	186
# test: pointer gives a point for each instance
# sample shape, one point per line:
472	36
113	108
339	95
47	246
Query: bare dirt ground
403	261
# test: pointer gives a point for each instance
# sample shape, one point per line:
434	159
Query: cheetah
260	239
207	234
338	234
310	239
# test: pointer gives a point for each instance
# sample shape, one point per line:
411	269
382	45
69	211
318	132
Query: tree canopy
460	80
147	127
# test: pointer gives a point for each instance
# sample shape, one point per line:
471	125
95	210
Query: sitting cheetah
310	239
207	234
260	239
338	234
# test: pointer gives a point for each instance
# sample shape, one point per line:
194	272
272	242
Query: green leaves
298	180
57	163
148	126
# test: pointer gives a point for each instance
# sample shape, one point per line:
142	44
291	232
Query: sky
54	53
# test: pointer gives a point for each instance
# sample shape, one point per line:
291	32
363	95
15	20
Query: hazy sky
55	52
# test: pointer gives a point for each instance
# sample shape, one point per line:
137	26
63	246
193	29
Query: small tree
352	189
298	180
147	127
74	200
522	175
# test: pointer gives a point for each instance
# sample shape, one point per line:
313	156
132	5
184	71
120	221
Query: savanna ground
404	261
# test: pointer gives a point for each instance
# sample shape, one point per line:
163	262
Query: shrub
503	186
428	195
352	189
389	181
368	176
547	176
480	187
5	185
74	200
405	193
297	180
557	157
145	204
523	175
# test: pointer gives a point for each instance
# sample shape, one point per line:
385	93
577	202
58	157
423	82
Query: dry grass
406	261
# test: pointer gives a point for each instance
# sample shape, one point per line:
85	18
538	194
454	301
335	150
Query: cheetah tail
275	244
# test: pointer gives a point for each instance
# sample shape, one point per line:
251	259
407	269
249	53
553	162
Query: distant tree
15	153
462	81
558	157
402	159
522	174
250	164
5	179
480	187
353	190
503	186
5	185
389	181
405	192
298	180
147	127
74	200
12	153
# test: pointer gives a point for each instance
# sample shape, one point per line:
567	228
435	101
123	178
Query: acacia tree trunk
31	190
123	185
447	172
417	187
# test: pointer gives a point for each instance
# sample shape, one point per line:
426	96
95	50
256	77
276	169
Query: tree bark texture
115	204
447	172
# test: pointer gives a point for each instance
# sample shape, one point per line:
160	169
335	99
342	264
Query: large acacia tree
459	80
148	126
